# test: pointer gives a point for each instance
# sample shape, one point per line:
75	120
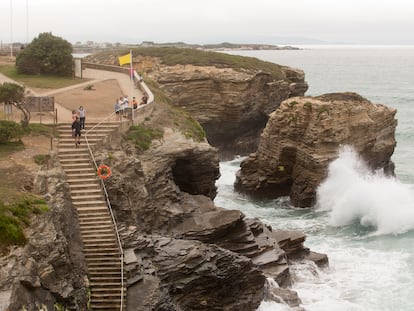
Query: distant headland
93	47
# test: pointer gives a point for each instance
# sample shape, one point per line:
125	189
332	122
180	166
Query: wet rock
305	134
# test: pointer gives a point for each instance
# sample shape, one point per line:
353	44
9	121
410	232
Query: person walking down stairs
76	131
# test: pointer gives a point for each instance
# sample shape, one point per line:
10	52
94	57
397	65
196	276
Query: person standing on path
82	113
117	108
76	131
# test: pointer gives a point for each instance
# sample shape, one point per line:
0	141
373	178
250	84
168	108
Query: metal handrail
150	100
109	207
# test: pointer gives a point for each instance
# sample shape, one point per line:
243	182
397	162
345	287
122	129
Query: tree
46	54
14	94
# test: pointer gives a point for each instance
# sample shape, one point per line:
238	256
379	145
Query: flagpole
11	29
131	74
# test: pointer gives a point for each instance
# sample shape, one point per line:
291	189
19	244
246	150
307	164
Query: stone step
73	148
90	137
98	230
103	272
103	279
104	240
86	191
88	220
71	145
105	293
76	166
95	215
107	305
108	266
99	260
104	249
74	176
92	207
113	283
88	198
68	134
82	182
97	244
100	238
85	186
83	206
89	125
76	161
73	153
96	260
79	170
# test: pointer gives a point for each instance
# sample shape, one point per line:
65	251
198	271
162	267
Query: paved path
125	84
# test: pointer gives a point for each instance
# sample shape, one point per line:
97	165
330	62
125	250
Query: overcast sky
211	21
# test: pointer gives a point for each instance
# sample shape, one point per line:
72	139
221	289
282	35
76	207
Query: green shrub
41	159
10	131
11	232
323	109
194	130
39	129
46	54
142	136
307	105
14	217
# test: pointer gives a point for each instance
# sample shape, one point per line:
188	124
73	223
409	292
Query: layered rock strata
50	271
232	106
183	252
304	135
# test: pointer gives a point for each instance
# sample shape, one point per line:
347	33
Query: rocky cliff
50	272
303	136
232	106
230	96
183	252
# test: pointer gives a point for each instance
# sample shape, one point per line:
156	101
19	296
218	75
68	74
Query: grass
177	117
142	136
9	148
40	129
39	81
186	56
188	125
15	217
33	129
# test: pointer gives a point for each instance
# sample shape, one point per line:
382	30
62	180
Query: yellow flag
125	59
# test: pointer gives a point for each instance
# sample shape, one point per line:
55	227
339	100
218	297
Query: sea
363	221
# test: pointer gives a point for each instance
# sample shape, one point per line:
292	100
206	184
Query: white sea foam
352	193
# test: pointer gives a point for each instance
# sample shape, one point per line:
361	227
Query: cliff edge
304	135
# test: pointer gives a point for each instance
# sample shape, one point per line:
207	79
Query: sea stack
304	135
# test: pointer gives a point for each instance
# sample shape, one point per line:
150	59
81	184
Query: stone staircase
100	243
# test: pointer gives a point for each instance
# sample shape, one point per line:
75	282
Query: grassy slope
37	81
184	56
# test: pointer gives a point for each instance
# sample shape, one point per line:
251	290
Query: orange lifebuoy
104	171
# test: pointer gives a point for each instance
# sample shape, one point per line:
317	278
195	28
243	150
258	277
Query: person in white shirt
82	114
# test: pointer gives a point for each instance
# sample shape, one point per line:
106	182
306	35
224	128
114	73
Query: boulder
190	275
305	134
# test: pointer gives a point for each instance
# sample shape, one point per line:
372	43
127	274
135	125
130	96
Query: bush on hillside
10	132
46	54
14	217
142	136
